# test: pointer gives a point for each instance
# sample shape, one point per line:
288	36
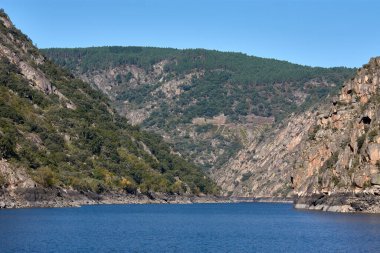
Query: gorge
161	125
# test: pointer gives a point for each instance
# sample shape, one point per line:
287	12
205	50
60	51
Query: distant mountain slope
58	132
245	84
329	156
209	104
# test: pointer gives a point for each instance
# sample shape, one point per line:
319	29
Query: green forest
88	147
233	83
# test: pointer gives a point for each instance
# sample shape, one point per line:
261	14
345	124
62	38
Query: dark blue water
246	227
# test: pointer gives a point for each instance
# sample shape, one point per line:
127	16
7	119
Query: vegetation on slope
89	147
233	83
166	89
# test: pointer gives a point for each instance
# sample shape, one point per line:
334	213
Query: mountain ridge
198	48
208	104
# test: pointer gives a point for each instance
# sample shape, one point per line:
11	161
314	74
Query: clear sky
308	32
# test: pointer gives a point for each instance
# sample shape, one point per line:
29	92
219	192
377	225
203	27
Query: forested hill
209	104
58	132
245	84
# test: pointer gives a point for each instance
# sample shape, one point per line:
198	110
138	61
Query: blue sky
308	32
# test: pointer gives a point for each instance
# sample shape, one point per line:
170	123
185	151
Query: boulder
373	151
375	179
360	181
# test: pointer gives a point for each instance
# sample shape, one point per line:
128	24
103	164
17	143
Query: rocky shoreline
41	197
58	197
263	199
362	202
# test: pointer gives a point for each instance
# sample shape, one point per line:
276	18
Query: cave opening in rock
366	120
349	91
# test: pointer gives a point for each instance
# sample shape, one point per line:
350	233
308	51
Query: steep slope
58	134
209	104
329	157
341	167
264	168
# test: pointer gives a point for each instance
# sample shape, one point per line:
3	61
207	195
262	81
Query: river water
244	227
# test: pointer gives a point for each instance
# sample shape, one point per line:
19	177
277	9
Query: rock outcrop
18	49
264	169
328	153
20	55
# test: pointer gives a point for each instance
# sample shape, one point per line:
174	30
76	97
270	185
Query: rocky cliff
328	158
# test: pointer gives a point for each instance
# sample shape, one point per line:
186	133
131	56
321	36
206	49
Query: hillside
57	132
328	157
208	104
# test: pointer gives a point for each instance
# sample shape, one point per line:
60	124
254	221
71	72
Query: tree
7	147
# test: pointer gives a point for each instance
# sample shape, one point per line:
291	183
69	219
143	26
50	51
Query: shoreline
53	198
56	198
59	198
340	202
264	200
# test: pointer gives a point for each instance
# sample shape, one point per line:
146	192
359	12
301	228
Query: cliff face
342	159
265	168
328	156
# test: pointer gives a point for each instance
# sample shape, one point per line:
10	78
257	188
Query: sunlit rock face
332	149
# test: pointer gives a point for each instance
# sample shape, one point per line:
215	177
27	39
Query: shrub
367	184
372	134
314	132
360	142
329	163
344	143
3	181
246	176
84	184
46	177
7	147
10	113
335	180
103	175
128	185
178	188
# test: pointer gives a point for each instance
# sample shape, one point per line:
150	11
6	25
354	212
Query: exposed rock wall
331	151
21	57
21	53
264	169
